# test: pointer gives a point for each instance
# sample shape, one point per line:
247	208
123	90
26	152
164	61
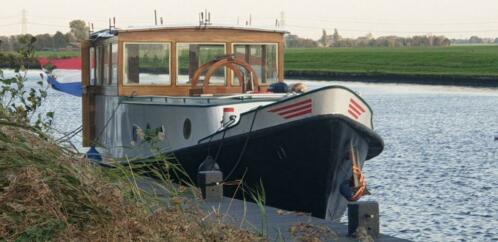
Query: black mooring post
366	215
210	184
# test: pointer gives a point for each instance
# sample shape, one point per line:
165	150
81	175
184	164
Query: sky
307	18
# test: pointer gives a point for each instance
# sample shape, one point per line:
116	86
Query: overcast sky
453	18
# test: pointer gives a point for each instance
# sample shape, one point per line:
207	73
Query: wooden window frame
199	43
124	81
276	44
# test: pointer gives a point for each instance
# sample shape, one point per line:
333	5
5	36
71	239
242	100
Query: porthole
187	128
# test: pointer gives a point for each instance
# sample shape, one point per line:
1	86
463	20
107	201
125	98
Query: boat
206	93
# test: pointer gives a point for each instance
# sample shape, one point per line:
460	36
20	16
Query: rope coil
360	184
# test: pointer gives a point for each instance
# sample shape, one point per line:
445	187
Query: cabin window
262	58
114	63
192	55
92	66
99	67
105	62
147	63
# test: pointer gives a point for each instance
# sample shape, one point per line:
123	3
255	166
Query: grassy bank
48	193
461	60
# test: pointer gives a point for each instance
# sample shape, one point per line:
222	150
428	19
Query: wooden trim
85	100
201	35
228	73
124	43
193	35
280	63
173	64
120	66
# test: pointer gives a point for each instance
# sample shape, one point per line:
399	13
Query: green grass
57	54
51	54
468	60
454	61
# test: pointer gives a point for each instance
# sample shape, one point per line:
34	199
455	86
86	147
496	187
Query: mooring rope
243	148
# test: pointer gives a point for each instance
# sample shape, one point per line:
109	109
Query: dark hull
299	164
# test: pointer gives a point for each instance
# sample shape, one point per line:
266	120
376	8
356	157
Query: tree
79	29
475	40
59	40
336	38
496	40
44	41
323	39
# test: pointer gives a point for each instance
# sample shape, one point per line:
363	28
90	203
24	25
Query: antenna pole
205	17
282	19
155	16
162	21
250	19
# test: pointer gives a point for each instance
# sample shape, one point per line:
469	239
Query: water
437	179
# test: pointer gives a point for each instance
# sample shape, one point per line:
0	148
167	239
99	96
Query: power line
49	25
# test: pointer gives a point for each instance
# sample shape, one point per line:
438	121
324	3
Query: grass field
470	60
57	54
453	61
51	54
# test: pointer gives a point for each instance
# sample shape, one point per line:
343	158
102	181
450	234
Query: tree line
78	32
336	40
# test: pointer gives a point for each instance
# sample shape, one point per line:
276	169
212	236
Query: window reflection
92	66
147	63
105	61
262	58
192	56
114	63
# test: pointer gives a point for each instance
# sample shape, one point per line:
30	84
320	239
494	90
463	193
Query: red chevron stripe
290	106
352	108
353	114
298	114
357	105
308	106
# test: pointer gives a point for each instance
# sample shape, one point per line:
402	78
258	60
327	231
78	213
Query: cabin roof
234	27
106	33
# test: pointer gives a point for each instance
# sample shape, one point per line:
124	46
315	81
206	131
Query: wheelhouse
176	62
163	61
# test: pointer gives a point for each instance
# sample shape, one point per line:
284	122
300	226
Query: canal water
437	179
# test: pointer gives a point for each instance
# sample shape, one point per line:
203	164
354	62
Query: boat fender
93	154
209	164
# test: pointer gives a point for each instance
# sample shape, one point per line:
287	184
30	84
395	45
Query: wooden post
85	81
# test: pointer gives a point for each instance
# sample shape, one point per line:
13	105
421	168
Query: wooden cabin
163	61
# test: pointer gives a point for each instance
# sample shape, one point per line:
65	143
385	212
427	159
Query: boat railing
205	100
